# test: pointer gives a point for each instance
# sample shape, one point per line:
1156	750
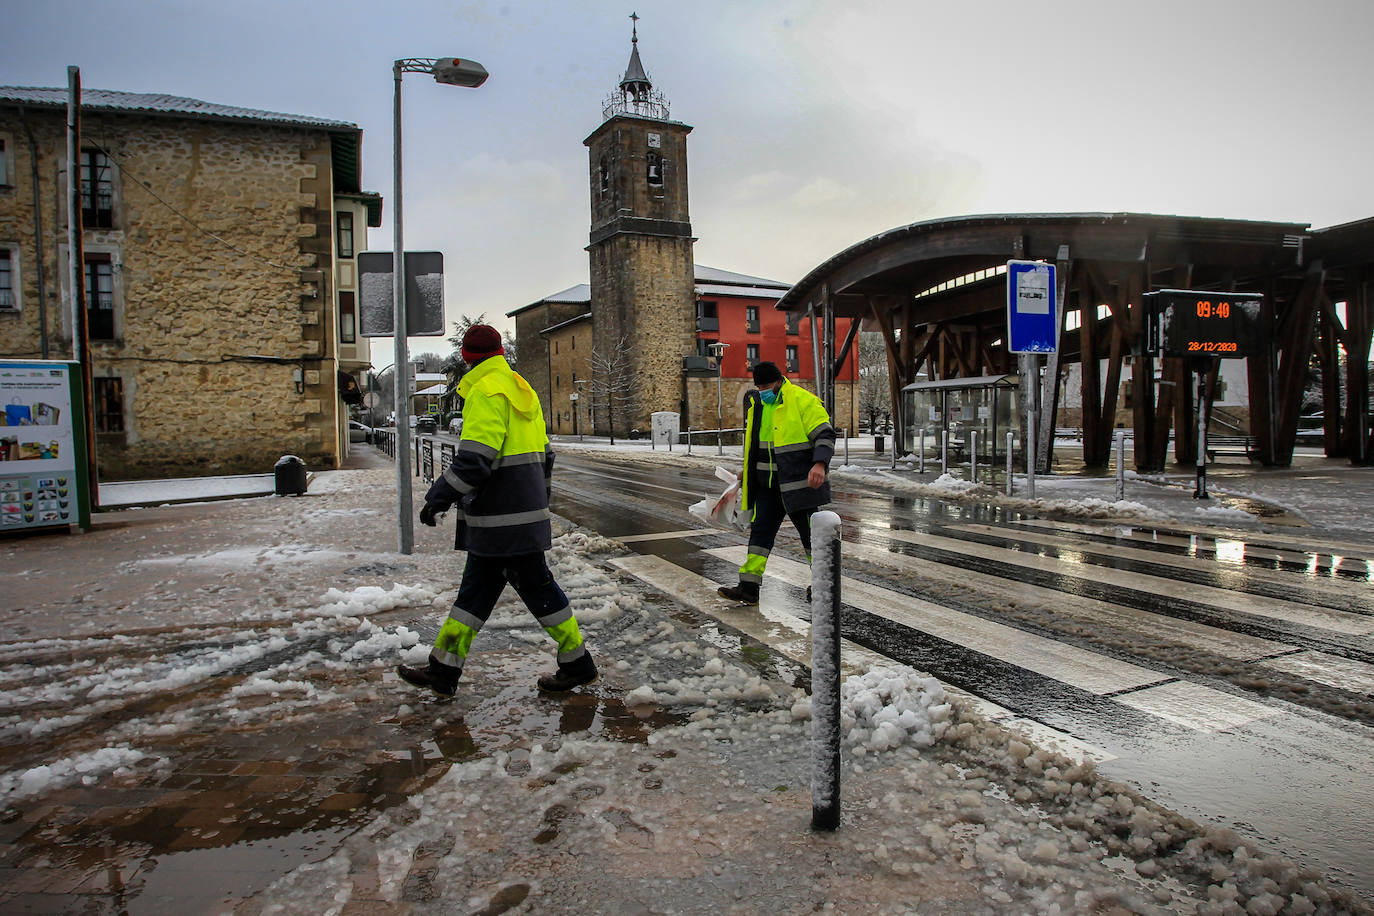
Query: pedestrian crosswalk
1070	567
789	636
1037	616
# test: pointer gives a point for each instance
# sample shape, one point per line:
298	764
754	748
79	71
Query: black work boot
744	593
581	670
441	678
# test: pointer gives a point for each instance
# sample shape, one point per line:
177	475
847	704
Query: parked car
357	432
426	424
455	426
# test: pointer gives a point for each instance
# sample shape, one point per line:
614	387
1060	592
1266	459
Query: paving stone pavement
342	791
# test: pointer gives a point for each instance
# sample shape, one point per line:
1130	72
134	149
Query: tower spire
636	95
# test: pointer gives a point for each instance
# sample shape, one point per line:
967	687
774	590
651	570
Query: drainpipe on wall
37	237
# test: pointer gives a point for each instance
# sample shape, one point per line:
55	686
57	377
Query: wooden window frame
108	394
97	173
9	254
348	318
95	260
345	251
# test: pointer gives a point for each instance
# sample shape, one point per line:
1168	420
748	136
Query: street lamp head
458	72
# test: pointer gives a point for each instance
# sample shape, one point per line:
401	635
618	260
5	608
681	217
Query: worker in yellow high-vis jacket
788	444
499	478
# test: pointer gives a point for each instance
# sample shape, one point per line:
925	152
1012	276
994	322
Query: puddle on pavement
241	808
200	879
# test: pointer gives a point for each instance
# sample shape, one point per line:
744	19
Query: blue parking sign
1032	315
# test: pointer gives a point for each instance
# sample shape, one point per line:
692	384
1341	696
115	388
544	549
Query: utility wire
123	170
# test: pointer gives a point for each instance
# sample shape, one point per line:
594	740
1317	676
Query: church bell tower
640	248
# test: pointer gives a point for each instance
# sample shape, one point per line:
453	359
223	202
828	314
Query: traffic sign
1032	314
424	293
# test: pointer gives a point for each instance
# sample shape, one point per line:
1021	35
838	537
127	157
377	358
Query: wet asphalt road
1231	678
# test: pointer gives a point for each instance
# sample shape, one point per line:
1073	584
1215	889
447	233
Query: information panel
1186	322
42	446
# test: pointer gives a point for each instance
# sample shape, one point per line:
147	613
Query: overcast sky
817	124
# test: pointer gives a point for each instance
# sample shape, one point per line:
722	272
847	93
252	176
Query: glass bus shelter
984	404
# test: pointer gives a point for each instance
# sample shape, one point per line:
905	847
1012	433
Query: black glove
429	512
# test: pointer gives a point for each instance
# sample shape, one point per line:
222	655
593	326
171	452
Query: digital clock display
1196	323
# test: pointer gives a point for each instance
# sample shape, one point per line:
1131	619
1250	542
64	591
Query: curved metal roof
920	255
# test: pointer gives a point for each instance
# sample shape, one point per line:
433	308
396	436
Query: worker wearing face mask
788	444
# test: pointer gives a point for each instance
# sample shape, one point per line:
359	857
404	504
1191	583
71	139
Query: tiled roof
161	103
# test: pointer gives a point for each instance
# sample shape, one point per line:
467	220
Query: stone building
655	320
735	326
220	294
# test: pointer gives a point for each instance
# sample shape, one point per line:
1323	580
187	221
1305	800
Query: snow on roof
745	292
161	103
711	281
715	275
433	389
585	316
582	292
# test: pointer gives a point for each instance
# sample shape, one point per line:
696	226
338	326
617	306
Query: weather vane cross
634	27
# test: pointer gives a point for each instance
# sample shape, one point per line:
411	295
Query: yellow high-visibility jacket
798	435
499	477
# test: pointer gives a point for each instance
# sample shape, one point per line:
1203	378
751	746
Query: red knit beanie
481	341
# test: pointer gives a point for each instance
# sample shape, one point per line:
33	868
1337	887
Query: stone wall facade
570	361
534	350
221	254
641	266
643	317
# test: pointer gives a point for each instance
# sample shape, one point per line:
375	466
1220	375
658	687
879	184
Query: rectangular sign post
424	294
1031	311
1032	328
1200	326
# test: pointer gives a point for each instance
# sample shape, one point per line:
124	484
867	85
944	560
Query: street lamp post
577	408
455	72
719	349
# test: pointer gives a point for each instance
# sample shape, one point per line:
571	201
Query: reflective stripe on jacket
782	456
499	477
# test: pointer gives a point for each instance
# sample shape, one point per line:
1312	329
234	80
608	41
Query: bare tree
614	388
461	327
875	397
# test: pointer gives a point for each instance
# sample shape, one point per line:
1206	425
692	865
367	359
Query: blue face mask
769	396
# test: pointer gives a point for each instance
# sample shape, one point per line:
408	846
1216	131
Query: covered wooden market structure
937	292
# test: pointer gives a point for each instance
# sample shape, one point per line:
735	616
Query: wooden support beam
1049	390
1147	458
1090	389
1359	313
1176	393
1260	379
1328	351
1295	356
1113	295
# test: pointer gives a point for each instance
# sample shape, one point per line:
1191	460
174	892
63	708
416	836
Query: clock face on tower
654	141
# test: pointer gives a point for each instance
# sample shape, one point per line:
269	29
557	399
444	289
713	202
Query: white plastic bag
723	511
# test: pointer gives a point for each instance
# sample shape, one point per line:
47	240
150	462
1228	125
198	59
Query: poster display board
42	446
